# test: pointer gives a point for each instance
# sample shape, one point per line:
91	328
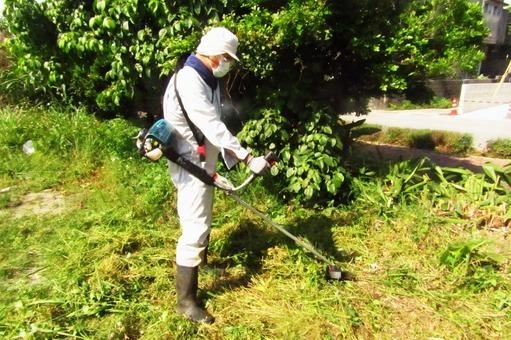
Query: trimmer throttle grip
271	158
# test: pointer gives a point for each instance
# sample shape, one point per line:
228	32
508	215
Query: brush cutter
332	271
157	142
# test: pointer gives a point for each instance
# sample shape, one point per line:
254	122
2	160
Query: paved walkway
483	125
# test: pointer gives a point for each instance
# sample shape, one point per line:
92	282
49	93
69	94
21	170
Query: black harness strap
197	134
189	166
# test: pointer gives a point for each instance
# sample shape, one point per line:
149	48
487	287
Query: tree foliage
111	53
337	54
340	53
108	54
435	39
302	62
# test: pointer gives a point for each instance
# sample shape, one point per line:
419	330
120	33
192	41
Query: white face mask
223	67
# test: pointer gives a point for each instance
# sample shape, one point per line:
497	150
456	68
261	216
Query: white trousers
194	208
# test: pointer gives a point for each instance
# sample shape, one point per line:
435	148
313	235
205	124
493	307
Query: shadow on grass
242	248
247	245
317	231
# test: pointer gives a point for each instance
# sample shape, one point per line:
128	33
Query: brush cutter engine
152	143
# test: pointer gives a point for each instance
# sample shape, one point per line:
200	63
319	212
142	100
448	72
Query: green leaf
489	171
109	23
308	192
100	5
290	172
337	179
197	8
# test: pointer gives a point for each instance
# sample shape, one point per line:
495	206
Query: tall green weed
66	144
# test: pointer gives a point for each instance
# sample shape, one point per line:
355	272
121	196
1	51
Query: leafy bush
310	165
434	103
421	140
104	54
451	142
461	144
114	54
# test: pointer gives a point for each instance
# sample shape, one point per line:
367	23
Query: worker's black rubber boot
187	279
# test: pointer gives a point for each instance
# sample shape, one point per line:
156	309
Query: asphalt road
483	125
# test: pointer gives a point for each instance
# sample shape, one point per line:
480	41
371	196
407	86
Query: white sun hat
217	41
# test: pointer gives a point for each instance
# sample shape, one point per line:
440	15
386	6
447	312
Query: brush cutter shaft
332	271
280	228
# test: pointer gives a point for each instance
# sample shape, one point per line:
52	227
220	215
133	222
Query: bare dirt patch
45	202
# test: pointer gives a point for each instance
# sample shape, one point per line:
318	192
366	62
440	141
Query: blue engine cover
163	132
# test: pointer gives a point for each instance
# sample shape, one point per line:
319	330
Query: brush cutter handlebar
270	157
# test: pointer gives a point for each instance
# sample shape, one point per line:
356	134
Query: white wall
481	96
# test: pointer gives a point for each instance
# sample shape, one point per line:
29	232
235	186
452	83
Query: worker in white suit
196	86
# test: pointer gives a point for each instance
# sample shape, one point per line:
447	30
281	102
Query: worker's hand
222	183
258	165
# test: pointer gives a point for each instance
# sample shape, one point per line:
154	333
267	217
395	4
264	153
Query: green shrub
393	135
440	103
421	139
460	144
310	166
500	148
440	141
402	105
434	103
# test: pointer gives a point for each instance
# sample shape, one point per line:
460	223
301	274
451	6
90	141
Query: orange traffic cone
454	106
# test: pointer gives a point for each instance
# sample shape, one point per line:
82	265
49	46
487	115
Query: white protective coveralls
194	198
